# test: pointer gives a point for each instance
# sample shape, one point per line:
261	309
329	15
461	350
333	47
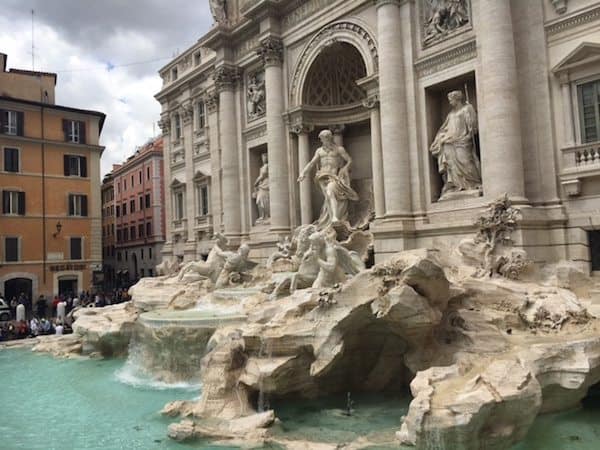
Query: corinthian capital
271	51
226	77
211	100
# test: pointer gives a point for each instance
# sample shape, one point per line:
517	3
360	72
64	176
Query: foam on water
131	375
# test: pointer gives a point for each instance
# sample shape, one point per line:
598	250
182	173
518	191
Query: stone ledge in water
190	318
235	293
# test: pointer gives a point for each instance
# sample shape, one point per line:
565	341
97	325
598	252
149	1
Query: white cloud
125	95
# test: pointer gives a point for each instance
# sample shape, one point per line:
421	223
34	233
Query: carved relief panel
255	95
441	19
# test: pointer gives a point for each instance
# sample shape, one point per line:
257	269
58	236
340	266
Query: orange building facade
50	221
134	216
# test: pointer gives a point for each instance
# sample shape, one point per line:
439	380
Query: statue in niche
454	148
443	17
333	177
261	191
256	96
218	9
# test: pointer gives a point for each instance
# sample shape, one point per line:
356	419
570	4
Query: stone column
211	101
272	53
226	78
186	112
394	130
303	159
376	156
165	125
501	143
567	104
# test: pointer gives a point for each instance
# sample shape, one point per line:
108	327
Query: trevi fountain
437	294
457	347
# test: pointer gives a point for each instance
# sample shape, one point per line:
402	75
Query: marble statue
261	191
320	260
284	252
256	97
444	17
491	249
211	268
334	261
218	9
454	148
333	177
168	267
235	267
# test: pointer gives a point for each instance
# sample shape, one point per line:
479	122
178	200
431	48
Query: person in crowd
46	326
13	307
55	303
34	327
22	329
41	306
59	328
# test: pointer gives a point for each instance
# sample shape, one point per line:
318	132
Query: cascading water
265	351
168	346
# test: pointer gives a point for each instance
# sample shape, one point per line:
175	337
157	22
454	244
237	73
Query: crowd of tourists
45	319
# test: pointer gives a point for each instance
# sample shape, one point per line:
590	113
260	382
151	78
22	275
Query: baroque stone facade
269	76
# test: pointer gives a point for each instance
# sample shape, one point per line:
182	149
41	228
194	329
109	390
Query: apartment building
50	224
132	247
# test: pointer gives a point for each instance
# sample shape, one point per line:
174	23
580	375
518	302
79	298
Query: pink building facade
139	216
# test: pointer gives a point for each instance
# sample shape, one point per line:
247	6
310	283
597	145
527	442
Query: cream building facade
271	74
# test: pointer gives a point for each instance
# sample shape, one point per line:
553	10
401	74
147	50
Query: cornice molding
448	58
575	20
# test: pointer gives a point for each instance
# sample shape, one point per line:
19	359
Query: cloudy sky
107	54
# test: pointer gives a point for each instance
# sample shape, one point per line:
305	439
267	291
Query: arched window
331	80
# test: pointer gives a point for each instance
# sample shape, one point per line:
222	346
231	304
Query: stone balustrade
578	162
582	156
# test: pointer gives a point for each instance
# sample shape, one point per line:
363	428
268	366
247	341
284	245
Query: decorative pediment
200	176
175	184
585	54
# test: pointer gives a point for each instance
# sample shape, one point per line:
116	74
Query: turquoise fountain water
99	404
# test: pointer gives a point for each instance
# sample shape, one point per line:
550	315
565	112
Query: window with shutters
132	206
148	229
78	205
13	202
75	166
124	209
589	110
11	159
11	249
76	248
147	200
74	131
141	230
11	122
